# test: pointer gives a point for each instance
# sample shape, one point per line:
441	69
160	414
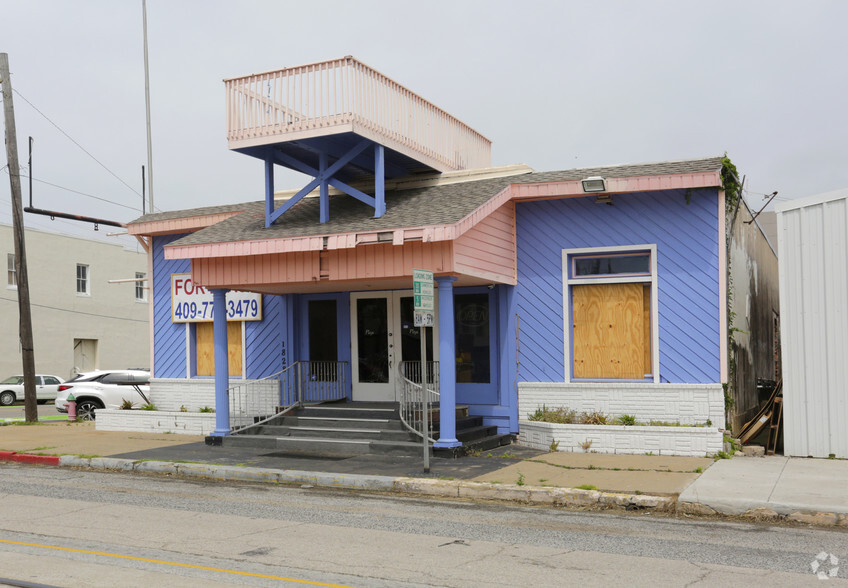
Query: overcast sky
554	84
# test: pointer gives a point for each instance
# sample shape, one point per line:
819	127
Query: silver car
104	389
12	389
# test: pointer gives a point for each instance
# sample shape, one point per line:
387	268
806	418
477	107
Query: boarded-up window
611	322
205	348
611	331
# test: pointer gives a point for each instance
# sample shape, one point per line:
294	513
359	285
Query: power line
71	139
120	318
23	175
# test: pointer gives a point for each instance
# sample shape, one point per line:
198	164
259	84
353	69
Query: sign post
422	290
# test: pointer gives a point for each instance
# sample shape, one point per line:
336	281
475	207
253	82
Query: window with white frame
610	307
140	293
12	280
83	282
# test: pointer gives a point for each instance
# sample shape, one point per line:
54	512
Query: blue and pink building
600	289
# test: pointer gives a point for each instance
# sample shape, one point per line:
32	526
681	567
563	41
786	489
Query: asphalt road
63	527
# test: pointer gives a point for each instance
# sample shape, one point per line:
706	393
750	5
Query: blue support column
222	363
325	188
269	187
379	180
447	365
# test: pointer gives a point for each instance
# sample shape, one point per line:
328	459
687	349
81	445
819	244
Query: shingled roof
415	207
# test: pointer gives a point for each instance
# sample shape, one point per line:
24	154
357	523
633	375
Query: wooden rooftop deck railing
303	100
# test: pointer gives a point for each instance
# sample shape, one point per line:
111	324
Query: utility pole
27	352
147	107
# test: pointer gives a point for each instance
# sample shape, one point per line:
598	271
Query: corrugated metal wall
813	262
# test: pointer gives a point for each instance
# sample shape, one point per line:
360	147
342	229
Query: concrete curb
565	497
758	511
456	489
29	458
235	473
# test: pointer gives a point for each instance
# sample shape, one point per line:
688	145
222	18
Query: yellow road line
174	563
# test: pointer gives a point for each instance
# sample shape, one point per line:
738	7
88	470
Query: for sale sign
192	303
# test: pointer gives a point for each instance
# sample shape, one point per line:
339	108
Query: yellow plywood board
609	331
205	348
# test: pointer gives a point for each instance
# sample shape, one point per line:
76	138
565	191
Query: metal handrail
414	400
303	382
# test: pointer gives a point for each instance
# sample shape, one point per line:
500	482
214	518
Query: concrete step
343	423
334	432
470	434
348	412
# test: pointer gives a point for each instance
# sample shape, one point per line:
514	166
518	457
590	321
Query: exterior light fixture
594	184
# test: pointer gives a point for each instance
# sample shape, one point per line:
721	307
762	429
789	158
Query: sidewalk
775	484
806	490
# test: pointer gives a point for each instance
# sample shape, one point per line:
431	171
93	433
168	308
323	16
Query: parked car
104	389
12	389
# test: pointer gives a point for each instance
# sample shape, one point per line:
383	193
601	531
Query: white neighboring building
80	321
813	246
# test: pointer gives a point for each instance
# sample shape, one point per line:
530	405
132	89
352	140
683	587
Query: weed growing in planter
560	415
126	404
628	420
207	409
593	418
149	406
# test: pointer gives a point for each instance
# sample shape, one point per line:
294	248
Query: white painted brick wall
688	404
155	421
686	441
252	396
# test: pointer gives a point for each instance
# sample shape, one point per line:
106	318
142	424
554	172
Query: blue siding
263	348
687	275
169	340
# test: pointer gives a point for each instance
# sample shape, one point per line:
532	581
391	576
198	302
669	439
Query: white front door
382	335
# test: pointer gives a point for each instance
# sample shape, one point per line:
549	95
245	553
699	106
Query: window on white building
13	274
140	292
83	282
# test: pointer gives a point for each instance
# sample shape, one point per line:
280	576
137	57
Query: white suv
104	389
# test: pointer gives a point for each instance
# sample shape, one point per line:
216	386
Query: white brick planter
687	441
688	404
155	421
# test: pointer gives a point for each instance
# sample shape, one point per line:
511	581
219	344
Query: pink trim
378	262
179	225
618	185
572	188
489	250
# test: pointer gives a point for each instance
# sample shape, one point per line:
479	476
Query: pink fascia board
432	233
573	188
179	225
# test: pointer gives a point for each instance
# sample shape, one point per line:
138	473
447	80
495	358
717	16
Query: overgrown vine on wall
732	200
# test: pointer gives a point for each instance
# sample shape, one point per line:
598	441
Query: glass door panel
372	337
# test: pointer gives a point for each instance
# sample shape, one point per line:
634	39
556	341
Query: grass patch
586	487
